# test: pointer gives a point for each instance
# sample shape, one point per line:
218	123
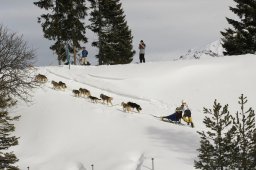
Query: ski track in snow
140	162
156	106
143	163
106	78
152	101
69	89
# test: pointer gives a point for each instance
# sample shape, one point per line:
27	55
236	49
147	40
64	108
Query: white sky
168	27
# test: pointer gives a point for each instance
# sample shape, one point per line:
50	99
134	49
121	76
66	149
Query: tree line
64	24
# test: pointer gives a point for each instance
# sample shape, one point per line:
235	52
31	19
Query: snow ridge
213	49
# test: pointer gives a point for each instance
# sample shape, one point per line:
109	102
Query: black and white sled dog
135	105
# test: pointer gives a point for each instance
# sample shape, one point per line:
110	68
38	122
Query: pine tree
241	38
63	24
214	143
245	125
7	159
115	39
253	152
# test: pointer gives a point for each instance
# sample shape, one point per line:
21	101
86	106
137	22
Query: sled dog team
127	107
82	92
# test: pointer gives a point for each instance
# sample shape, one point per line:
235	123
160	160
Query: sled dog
63	85
59	86
135	105
126	107
84	92
106	98
76	93
56	85
94	99
40	78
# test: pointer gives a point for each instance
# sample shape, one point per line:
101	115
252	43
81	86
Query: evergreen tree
241	38
231	143
114	36
214	144
7	159
245	125
63	24
253	153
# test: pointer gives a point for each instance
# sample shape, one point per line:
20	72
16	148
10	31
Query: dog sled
173	122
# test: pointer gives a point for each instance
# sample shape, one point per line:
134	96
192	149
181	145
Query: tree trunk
74	55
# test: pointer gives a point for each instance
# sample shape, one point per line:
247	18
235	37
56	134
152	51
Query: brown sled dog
106	98
126	107
84	92
40	78
63	85
59	86
56	85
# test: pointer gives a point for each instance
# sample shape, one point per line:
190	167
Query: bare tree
16	79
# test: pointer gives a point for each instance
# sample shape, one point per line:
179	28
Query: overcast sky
168	27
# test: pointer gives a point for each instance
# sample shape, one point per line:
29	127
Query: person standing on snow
142	47
84	56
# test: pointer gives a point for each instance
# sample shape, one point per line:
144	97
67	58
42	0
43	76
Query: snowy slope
61	132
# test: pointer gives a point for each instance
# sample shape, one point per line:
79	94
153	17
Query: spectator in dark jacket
84	56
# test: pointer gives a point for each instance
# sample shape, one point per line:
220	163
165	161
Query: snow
213	49
61	132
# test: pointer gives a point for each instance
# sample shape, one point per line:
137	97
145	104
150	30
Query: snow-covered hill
61	132
213	49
